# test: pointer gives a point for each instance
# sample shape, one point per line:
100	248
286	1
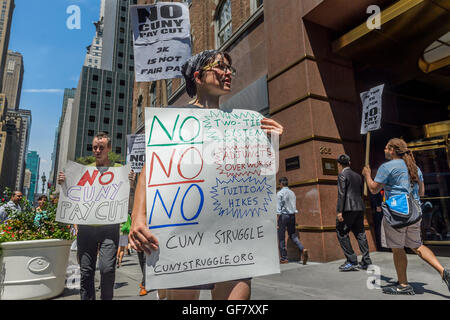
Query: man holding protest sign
96	233
208	75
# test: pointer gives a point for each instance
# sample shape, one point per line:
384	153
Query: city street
314	281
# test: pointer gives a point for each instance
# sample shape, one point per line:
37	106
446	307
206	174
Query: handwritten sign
162	41
94	195
210	197
136	151
371	113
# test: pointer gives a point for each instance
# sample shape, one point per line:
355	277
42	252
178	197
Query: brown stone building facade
306	62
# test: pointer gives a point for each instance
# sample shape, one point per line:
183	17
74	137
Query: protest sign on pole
371	109
136	151
371	117
162	43
211	197
94	195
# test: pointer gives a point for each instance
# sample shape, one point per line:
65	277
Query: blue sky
53	57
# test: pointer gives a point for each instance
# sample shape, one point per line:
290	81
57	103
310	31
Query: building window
121	95
108	93
119	122
119	136
169	83
108	80
120	54
90	133
255	5
89	147
224	25
94	91
95	77
93	105
120	66
118	150
91	119
120	109
107	107
131	68
106	120
152	95
122	82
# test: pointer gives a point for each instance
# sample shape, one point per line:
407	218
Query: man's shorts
409	236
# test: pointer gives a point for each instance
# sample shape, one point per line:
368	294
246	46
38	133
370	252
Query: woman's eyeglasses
221	66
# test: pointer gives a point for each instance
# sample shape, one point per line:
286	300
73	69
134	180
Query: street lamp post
43	182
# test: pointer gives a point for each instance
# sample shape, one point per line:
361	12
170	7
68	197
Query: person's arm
132	179
421	189
270	126
279	200
421	184
140	237
341	197
373	186
61	177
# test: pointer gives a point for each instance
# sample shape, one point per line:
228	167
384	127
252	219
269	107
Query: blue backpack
401	210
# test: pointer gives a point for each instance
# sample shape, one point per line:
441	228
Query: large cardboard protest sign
136	151
371	112
211	198
161	40
94	195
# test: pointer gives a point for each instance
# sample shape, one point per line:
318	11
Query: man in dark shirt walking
350	215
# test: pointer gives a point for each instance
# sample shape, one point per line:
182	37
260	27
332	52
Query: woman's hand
61	178
141	239
366	171
270	126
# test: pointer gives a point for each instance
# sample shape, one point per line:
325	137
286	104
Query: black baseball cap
344	159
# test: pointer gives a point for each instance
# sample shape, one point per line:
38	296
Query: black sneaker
349	267
446	278
363	266
342	266
399	289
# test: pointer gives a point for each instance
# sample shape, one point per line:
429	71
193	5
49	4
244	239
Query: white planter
34	269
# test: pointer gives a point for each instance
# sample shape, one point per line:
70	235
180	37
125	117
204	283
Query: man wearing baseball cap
350	215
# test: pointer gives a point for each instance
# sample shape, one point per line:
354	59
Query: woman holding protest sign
208	76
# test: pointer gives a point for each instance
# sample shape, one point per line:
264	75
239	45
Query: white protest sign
371	112
211	197
94	195
136	151
162	41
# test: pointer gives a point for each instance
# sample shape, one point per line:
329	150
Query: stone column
312	93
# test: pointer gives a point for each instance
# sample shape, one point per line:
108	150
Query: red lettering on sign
104	183
179	164
167	173
87	178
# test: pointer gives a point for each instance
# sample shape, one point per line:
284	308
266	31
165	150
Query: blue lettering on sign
189	221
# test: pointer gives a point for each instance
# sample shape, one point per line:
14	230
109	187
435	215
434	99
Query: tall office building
33	164
104	97
22	120
7	8
94	51
8	146
13	78
60	146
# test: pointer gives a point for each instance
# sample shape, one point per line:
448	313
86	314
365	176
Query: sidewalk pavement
314	281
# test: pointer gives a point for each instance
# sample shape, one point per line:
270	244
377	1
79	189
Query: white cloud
44	90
